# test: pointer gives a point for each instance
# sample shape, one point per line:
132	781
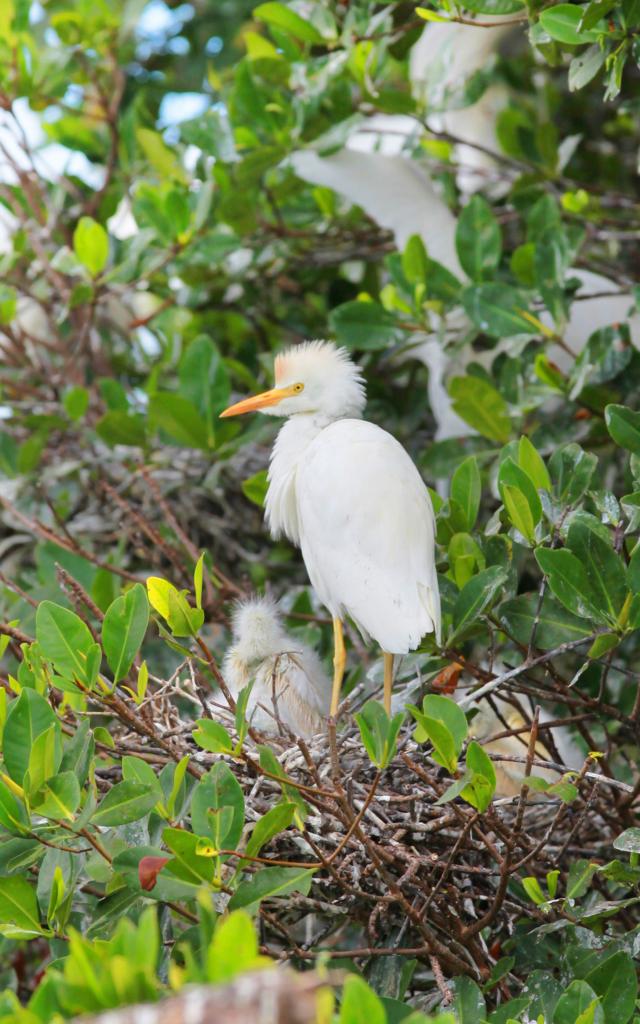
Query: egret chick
289	683
349	496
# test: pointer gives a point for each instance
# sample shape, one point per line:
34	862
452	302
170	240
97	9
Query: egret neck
294	437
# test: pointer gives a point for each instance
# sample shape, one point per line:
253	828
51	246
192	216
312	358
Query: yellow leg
388	680
339	659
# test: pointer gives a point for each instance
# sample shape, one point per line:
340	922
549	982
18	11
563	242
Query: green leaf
478	239
562	23
444	746
217	789
379	732
498	310
125	802
66	641
204	381
571	470
479	404
234	949
628	840
271	824
91	245
585	66
117	427
468	1004
555	625
569	582
475	596
360	1004
45	755
445	710
13	814
574	1002
364	325
465	490
255	487
76	401
624	426
212	736
179	418
519	512
58	798
530	460
163	160
479	792
616	983
198	579
123	630
512	475
532	887
19	915
415	262
284	18
604	568
29	716
270	882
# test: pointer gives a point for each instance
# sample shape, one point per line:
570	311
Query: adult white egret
290	684
346	492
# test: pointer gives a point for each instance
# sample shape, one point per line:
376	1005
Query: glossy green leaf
283	17
217	789
562	22
476	596
58	798
125	802
360	1004
478	239
498	310
466	490
570	583
29	717
578	999
65	640
123	630
19	915
624	426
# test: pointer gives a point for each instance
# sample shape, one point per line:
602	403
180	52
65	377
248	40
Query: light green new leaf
519	511
360	1004
234	949
91	245
530	460
284	18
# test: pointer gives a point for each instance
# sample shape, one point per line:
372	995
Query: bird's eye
298	388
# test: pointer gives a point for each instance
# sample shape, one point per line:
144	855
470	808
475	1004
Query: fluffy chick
289	682
509	774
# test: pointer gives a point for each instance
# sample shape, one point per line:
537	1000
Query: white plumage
348	494
289	681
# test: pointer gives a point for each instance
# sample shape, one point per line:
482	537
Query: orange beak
256	402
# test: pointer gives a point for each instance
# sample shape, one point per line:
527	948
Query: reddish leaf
148	870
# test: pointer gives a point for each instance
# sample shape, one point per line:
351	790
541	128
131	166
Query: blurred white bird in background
488	722
377	171
289	683
346	492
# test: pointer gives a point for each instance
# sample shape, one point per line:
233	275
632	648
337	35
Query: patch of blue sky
181	106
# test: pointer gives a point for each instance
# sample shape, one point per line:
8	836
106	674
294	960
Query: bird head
257	630
315	377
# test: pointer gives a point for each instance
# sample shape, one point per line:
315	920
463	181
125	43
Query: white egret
289	683
346	492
